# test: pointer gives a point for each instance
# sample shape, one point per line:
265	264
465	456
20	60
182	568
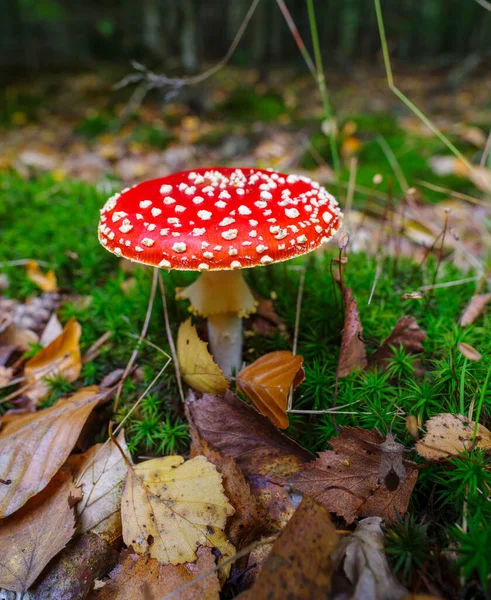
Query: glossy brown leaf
267	383
346	479
300	564
353	356
34	446
141	577
60	358
37	532
406	334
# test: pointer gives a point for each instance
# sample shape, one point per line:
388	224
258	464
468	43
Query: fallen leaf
141	577
300	564
171	506
60	358
406	334
353	356
265	321
45	281
267	383
33	447
243	522
52	330
70	575
244	434
469	352
475	307
37	532
346	479
5	375
100	472
198	369
265	455
20	338
364	562
449	435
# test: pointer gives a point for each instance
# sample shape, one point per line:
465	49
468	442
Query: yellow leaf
267	383
34	446
60	358
198	368
45	281
171	507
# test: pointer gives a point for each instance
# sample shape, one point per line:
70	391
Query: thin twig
351	191
394	163
142	335
487	149
449	192
378	272
446	284
170	339
24	261
297	37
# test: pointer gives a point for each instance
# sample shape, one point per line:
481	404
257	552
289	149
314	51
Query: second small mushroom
219	221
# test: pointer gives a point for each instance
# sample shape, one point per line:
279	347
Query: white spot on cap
205	215
179	247
204	245
324	240
266	195
230	234
224	194
301	239
173	221
244	210
220	204
198	231
253	233
319	229
233	252
138	248
117	252
126	226
165	189
145	203
148	242
139	216
203	267
235	264
240	191
118	215
291	213
261	248
218	248
180	208
151	226
226	221
261	204
169	200
266	259
208	254
327	217
164	231
198	199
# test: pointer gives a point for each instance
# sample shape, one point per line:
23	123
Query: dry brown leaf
406	334
60	358
353	356
100	472
475	307
45	281
5	375
22	339
267	383
265	455
469	351
198	369
450	435
244	521
265	321
37	532
346	479
300	565
171	506
33	447
365	564
140	577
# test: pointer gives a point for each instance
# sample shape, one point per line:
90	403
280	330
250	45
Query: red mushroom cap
218	219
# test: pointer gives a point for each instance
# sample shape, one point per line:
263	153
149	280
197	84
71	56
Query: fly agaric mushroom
219	221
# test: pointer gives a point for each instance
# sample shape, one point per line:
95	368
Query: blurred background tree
181	34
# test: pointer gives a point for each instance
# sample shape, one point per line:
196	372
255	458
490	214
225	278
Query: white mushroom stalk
224	298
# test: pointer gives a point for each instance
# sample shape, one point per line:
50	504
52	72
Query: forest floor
418	271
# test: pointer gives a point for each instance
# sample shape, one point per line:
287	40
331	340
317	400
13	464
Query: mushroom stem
225	339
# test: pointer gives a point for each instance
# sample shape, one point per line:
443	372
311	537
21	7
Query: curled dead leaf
449	435
406	334
469	352
60	358
198	369
33	447
475	307
37	532
267	383
353	356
